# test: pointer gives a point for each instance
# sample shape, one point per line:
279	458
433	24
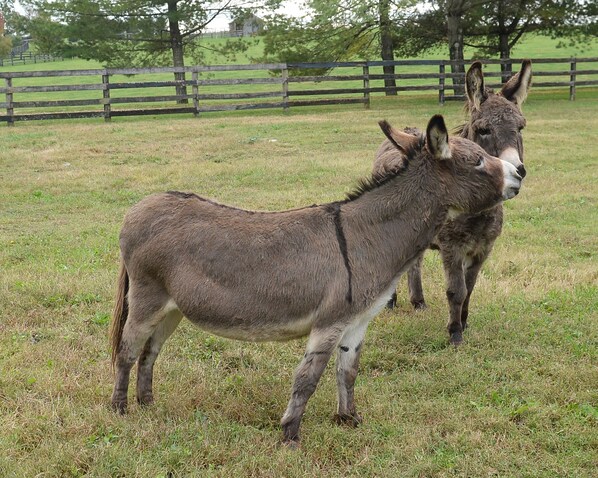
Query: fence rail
36	95
25	58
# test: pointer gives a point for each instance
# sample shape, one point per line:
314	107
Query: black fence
108	93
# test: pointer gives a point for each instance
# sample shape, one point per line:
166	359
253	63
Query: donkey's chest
471	234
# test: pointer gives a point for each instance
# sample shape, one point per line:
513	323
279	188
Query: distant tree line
130	33
384	29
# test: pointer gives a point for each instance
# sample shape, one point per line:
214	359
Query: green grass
519	398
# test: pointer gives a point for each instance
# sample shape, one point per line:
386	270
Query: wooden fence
109	93
27	58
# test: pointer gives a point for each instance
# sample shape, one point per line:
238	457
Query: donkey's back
241	274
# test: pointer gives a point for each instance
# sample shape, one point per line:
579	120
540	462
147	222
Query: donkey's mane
380	178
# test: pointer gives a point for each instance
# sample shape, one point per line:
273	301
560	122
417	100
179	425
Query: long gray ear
404	142
517	87
437	138
474	85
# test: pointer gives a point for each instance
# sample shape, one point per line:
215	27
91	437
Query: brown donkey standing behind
323	271
465	241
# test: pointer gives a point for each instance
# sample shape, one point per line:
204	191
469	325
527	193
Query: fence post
366	86
441	71
9	106
285	87
572	79
195	90
106	96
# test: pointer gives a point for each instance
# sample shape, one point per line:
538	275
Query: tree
443	22
5	45
504	22
6	7
494	27
336	30
125	33
457	12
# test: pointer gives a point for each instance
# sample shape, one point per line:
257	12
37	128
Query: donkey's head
469	178
496	119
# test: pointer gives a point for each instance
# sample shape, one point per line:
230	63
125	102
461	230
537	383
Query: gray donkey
323	271
495	123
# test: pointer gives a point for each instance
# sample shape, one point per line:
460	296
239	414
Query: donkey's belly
240	327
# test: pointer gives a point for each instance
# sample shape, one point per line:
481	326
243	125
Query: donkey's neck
387	227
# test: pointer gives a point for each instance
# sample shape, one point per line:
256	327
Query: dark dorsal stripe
335	210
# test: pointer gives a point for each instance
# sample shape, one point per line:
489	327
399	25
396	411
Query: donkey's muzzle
512	181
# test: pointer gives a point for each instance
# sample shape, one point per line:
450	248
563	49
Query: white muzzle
512	180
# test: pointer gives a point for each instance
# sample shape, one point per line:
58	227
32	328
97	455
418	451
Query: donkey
323	271
464	242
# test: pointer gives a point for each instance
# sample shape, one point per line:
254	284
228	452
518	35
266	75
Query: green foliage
5	46
50	37
483	23
332	31
128	33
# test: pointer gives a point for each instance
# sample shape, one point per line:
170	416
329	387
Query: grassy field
519	398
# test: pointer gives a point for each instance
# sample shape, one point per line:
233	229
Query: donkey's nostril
521	170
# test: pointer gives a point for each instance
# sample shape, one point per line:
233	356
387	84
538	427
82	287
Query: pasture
519	398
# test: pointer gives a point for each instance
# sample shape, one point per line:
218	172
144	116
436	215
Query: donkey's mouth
510	193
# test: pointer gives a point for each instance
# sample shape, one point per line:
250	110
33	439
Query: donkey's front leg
471	276
347	364
320	345
414	282
456	292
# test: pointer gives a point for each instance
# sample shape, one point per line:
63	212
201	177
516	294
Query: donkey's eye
483	131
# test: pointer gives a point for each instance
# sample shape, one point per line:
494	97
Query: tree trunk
506	69
455	40
176	43
387	47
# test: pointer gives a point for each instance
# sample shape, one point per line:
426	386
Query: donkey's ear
437	138
516	88
474	85
404	142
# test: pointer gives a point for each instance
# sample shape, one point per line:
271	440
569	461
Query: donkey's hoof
456	338
291	444
119	407
419	305
349	420
145	400
392	302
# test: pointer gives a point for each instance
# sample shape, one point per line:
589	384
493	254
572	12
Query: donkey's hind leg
146	311
320	346
145	364
347	364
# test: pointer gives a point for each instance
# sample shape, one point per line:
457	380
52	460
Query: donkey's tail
121	311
